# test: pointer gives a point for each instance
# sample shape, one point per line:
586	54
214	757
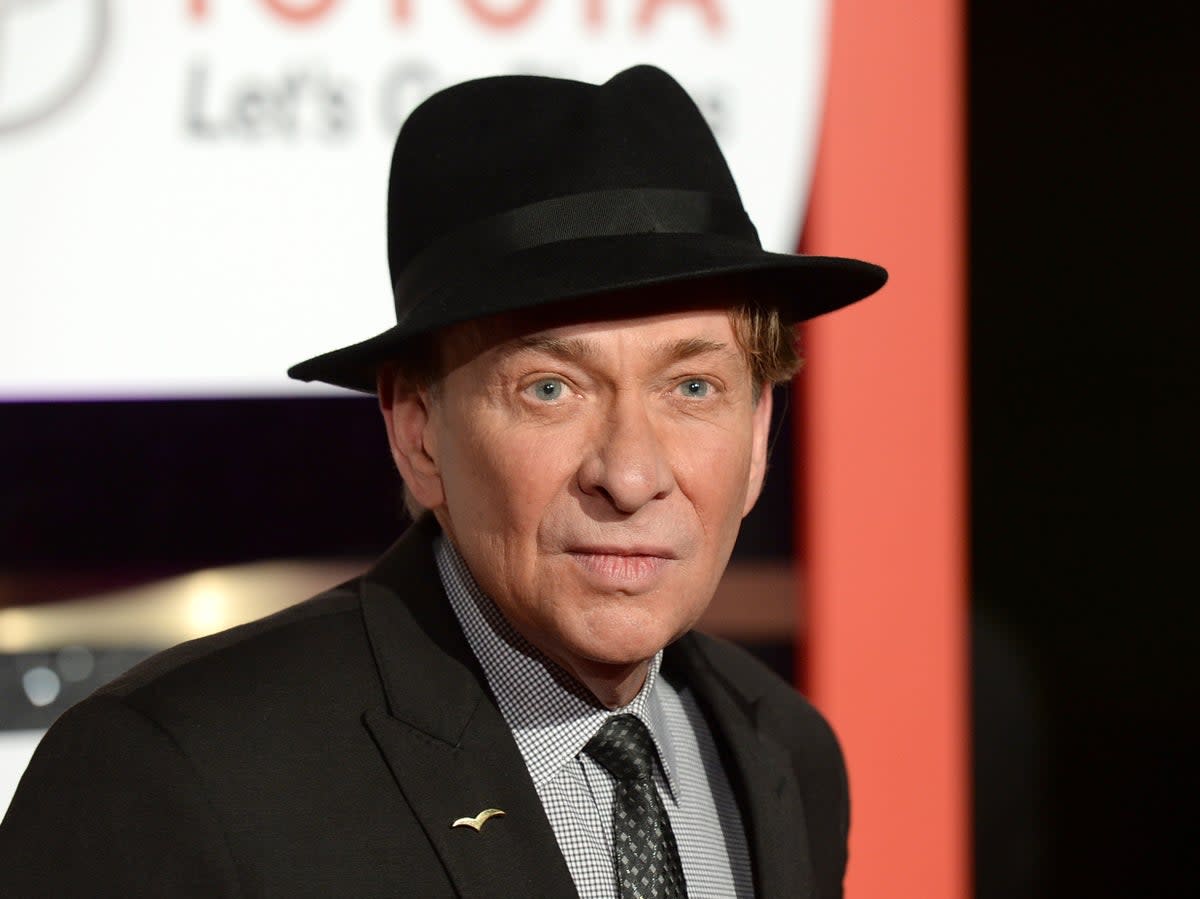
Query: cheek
712	470
501	479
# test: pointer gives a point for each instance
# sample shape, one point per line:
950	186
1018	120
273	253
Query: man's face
594	475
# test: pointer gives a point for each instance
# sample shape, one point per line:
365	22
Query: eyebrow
570	349
575	349
689	348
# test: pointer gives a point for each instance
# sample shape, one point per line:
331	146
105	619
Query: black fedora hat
518	191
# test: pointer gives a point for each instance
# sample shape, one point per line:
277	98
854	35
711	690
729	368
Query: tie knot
624	747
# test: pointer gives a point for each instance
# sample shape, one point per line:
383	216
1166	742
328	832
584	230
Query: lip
612	549
625	569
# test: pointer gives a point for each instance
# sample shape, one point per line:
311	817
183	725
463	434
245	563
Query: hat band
602	213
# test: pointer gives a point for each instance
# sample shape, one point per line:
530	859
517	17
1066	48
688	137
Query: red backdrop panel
882	447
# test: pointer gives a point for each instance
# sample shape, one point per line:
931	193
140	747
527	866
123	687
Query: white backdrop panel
192	193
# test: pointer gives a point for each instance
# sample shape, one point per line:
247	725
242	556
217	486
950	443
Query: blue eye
547	389
695	387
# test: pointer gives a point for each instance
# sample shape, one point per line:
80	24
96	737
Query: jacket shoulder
787	717
307	669
788	713
196	666
106	790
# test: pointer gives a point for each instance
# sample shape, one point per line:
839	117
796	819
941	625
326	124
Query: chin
625	639
623	658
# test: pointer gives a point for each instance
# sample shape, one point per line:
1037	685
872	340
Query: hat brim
801	286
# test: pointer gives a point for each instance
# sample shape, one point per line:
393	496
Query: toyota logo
49	50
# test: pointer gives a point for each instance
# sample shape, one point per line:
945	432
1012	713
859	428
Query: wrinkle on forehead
460	343
583	350
507	336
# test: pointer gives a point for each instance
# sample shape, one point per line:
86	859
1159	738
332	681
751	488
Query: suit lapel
446	743
762	776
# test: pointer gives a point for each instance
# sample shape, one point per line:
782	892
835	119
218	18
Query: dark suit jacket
325	751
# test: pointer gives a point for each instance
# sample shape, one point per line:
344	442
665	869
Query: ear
408	418
760	434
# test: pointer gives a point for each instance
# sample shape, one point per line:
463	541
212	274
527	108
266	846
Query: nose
627	464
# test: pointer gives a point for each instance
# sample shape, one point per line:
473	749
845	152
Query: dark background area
1080	464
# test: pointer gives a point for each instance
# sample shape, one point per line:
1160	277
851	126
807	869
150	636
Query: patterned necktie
644	850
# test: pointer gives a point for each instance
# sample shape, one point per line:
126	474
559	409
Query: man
511	702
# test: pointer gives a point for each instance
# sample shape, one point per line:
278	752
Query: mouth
630	552
626	568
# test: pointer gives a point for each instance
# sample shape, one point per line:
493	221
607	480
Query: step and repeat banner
192	192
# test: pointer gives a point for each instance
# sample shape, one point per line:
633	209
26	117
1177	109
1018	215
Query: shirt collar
552	716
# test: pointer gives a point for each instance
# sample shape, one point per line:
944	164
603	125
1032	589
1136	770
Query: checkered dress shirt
552	717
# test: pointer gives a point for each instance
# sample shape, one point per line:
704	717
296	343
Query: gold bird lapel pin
479	820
